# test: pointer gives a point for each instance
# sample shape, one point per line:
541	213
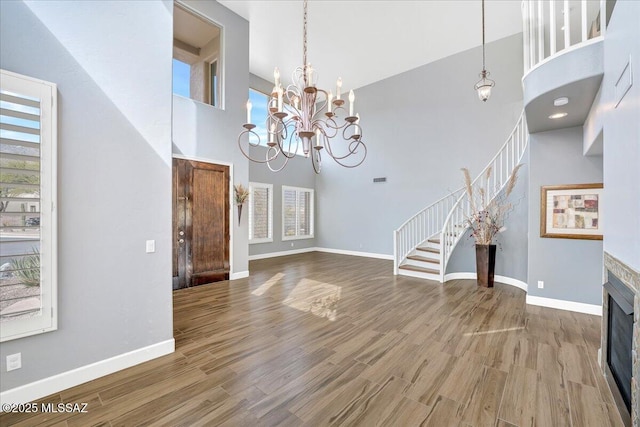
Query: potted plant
241	194
488	210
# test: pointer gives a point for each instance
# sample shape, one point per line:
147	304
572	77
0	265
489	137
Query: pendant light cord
483	66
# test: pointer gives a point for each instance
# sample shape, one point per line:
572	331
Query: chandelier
303	116
485	84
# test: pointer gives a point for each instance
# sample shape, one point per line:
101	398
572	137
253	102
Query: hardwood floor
321	339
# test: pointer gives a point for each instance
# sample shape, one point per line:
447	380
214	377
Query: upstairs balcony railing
552	26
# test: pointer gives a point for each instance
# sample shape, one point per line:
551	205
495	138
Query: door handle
181	241
181	233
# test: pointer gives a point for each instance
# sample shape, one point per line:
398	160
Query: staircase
419	247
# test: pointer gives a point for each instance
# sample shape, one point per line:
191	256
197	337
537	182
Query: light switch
151	246
14	361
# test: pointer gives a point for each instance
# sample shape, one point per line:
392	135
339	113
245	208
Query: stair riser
419	275
423	264
424	254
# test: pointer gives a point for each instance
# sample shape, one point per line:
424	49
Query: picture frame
571	211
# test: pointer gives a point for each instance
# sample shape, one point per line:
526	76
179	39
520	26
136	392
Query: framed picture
571	211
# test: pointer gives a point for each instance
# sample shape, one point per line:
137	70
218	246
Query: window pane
260	214
304	219
213	73
20	295
289	213
259	115
181	78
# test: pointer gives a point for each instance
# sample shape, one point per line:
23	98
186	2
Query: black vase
485	264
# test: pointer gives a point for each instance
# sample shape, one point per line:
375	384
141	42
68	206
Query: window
260	212
297	213
197	56
259	117
181	78
27	206
213	83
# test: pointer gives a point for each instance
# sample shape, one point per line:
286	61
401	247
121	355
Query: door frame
231	204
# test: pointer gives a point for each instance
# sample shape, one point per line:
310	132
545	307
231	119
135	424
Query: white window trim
48	320
269	188
311	216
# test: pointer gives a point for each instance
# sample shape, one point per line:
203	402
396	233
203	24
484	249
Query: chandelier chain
304	37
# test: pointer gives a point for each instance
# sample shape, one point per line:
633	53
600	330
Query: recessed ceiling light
558	115
563	100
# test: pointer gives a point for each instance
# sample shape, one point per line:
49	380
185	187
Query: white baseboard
500	279
281	253
65	380
355	253
239	275
565	305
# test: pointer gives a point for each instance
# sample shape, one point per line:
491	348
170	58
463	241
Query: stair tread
424	259
432	250
419	269
434	241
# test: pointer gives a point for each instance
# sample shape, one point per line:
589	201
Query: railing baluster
540	31
567	25
532	49
603	17
525	36
583	6
552	27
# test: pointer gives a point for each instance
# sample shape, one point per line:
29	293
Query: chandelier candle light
485	84
302	112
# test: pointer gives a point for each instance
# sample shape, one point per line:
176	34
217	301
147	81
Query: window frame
48	319
269	187
299	190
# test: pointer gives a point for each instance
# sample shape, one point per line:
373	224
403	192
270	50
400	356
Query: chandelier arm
316	161
253	145
274	169
364	156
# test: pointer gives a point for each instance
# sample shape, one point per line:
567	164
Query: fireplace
620	337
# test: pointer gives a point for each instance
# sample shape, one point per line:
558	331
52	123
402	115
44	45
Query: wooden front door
200	223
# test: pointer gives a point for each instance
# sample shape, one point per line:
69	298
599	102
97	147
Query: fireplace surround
620	292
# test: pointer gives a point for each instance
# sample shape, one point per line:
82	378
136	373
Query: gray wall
112	64
208	133
570	268
512	251
297	173
622	137
420	128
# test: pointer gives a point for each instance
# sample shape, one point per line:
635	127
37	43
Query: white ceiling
364	41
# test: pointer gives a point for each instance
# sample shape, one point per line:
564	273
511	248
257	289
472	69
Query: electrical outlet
291	244
540	284
14	361
151	246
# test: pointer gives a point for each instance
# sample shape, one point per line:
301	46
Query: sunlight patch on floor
318	298
494	331
268	284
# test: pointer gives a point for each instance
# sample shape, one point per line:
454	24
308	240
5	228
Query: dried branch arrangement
489	207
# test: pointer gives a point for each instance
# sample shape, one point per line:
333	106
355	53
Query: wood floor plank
587	408
484	403
518	404
321	339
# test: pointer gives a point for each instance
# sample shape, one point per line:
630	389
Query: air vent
383	179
